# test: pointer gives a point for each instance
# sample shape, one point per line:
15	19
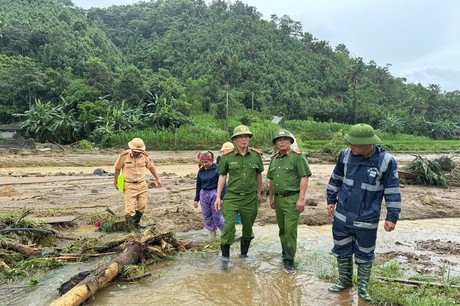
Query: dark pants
352	240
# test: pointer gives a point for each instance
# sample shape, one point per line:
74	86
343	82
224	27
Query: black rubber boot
225	248
137	220
364	274
129	224
345	266
289	266
245	248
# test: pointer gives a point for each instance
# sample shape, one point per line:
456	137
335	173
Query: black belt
282	195
135	182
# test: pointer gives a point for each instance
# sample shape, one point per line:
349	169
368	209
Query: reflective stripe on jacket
358	185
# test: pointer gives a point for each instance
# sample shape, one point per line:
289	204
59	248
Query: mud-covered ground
53	182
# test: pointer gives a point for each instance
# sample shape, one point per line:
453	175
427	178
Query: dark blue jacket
207	179
358	185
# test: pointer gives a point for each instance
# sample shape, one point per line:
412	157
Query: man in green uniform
288	173
244	167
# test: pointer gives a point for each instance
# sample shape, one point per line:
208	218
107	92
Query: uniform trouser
247	206
213	218
288	219
135	196
349	240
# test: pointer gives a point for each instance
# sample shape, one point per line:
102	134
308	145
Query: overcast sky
420	39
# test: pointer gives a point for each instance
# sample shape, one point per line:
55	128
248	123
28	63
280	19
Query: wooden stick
413	282
76	256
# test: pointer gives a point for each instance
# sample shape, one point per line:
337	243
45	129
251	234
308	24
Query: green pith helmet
241	130
361	134
283	133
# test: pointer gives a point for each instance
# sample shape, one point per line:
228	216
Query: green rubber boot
364	274
345	266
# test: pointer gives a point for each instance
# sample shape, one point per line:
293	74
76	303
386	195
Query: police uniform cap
283	133
361	134
241	130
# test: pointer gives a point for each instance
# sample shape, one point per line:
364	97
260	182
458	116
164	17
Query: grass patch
390	269
393	293
324	267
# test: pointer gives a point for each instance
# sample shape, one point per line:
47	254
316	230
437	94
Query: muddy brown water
196	279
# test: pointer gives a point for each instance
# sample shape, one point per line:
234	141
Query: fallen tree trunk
21	248
151	243
99	279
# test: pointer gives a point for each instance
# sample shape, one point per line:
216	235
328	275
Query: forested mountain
84	73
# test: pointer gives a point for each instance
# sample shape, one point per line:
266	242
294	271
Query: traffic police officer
288	173
244	167
133	163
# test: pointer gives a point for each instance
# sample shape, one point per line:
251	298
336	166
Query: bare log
21	248
157	244
101	278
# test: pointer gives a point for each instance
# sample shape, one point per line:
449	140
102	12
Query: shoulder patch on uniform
124	153
228	151
257	150
297	151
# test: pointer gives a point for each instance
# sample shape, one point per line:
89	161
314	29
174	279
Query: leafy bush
427	172
83	145
336	144
263	134
309	129
392	124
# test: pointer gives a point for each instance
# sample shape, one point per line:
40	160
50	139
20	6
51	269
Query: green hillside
72	74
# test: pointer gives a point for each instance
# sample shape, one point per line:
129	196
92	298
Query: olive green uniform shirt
286	170
242	171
